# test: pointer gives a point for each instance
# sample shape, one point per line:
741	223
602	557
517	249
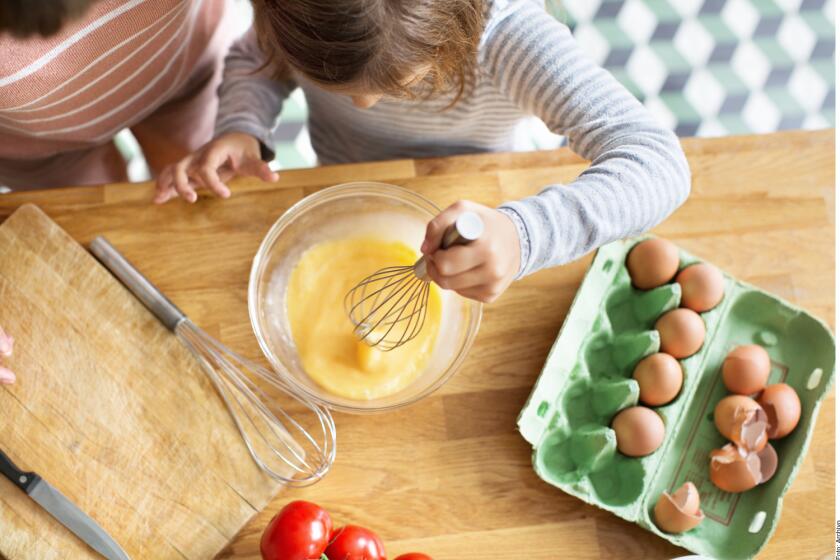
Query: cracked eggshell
742	421
769	462
681	332
652	263
680	511
783	408
746	369
734	470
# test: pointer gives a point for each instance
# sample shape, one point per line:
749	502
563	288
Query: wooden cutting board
111	410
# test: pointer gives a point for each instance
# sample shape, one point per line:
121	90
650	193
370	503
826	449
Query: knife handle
166	311
22	479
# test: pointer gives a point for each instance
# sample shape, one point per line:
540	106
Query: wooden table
450	475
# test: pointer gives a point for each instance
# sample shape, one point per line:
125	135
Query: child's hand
219	160
6	342
484	268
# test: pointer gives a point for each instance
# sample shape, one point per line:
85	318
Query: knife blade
60	507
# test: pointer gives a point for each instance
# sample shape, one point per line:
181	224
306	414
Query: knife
57	505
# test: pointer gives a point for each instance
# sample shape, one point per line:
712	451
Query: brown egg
639	431
781	403
660	378
681	332
702	287
746	369
734	470
742	421
653	262
680	511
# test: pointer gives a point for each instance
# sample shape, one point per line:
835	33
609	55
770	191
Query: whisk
388	308
282	447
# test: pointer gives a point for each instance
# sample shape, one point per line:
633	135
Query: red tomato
355	543
413	556
299	531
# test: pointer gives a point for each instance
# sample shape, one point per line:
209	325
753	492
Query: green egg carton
587	379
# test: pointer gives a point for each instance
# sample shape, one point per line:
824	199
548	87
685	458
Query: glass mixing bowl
353	209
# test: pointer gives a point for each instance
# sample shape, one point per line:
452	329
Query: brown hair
24	18
375	44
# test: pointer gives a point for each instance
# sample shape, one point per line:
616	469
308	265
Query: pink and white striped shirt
109	70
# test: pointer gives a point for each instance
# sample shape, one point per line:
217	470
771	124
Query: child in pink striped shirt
149	65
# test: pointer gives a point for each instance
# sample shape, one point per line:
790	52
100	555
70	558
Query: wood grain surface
112	410
450	475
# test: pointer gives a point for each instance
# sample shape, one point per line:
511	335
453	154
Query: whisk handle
139	285
467	227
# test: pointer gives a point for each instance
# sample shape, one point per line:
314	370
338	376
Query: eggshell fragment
781	404
660	378
734	470
702	287
746	369
639	431
652	262
680	511
769	462
681	332
742	421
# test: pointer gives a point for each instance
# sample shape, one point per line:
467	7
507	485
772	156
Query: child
415	78
73	73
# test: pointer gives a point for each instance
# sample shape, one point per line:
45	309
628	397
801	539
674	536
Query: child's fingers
7	376
166	196
212	181
437	226
479	293
474	278
209	172
7	344
258	168
182	181
164	189
458	259
266	174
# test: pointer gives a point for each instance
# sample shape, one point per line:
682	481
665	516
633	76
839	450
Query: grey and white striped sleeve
250	100
638	175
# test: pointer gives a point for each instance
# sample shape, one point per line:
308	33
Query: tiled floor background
703	67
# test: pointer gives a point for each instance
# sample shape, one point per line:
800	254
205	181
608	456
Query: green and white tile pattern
703	67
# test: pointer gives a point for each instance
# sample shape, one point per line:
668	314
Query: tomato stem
324	557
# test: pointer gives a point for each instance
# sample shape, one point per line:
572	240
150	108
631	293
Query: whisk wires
282	447
388	308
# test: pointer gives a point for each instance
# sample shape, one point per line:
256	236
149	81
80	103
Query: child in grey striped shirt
414	78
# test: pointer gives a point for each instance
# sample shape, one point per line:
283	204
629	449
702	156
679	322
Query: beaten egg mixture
329	350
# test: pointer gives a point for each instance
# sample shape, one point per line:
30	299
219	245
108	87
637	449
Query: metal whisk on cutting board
388	308
280	445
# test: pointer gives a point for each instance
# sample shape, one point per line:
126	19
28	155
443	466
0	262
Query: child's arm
249	101
638	176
